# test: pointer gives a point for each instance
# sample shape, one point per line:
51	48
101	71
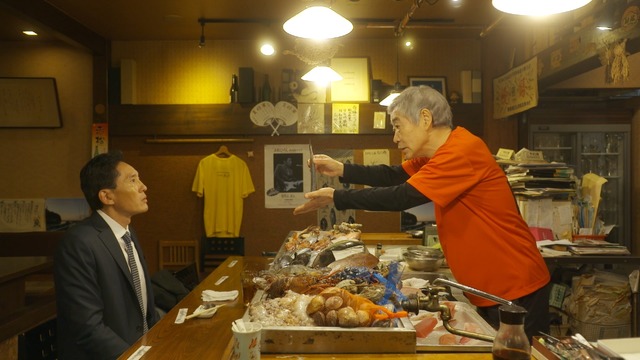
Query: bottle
233	92
266	89
511	342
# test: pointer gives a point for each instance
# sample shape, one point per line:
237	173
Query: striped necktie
136	277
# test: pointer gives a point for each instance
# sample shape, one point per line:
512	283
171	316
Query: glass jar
511	342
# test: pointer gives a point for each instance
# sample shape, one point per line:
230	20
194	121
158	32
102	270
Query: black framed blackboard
29	103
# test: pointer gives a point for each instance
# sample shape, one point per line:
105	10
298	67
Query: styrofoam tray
464	313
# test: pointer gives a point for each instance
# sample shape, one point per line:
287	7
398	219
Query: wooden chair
176	254
216	250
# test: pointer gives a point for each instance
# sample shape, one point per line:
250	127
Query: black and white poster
286	175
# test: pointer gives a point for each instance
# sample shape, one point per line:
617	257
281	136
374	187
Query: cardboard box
540	352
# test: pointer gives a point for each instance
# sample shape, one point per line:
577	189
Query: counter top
210	338
18	315
15	267
389	239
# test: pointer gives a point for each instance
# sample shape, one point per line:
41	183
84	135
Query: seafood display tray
326	339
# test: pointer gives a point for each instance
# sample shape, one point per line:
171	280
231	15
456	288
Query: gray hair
415	98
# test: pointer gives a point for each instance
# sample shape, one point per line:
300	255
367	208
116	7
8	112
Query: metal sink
429	276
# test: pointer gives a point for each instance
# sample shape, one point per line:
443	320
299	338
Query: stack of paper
600	250
628	348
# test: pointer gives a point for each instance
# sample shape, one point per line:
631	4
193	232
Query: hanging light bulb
322	75
538	7
318	22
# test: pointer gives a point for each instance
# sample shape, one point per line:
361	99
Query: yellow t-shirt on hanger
224	182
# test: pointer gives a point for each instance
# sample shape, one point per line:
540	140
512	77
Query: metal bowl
424	251
422	258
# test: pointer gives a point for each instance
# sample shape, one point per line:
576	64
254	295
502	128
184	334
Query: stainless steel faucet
430	301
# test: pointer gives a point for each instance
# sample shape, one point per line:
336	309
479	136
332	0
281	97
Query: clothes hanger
223	152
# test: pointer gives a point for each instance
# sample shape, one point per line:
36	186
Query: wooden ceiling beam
54	19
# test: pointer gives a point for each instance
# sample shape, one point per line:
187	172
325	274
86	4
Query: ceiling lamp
318	22
392	95
267	49
538	7
322	75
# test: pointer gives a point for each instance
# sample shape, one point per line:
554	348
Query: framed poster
286	175
437	82
29	103
354	86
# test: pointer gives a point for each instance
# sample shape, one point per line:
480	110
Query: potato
363	318
347	317
316	304
318	318
331	318
333	303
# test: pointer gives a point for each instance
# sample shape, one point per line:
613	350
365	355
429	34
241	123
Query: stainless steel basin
429	276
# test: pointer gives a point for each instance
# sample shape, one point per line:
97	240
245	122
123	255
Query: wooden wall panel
175	213
178	72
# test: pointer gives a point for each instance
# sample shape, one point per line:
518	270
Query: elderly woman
487	244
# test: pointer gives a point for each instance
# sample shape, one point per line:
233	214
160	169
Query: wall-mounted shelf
233	120
195	141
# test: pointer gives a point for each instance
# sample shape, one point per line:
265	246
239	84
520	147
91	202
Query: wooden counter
18	315
13	274
210	338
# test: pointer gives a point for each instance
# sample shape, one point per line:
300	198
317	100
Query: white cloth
212	295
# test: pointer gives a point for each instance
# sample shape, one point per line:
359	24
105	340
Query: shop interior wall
175	212
44	163
203	75
179	72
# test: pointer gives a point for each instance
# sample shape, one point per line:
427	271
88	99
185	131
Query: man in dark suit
96	275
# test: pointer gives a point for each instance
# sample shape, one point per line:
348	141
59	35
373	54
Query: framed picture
29	103
437	82
354	86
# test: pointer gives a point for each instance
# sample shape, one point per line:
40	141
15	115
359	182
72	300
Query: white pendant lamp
318	22
538	7
392	96
397	89
322	75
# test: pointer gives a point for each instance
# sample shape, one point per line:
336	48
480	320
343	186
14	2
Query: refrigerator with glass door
602	149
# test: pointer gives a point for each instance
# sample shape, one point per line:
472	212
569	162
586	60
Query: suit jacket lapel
113	246
111	243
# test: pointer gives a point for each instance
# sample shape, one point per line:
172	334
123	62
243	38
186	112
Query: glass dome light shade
318	22
538	7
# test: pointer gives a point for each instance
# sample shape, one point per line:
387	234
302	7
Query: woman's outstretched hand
317	199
